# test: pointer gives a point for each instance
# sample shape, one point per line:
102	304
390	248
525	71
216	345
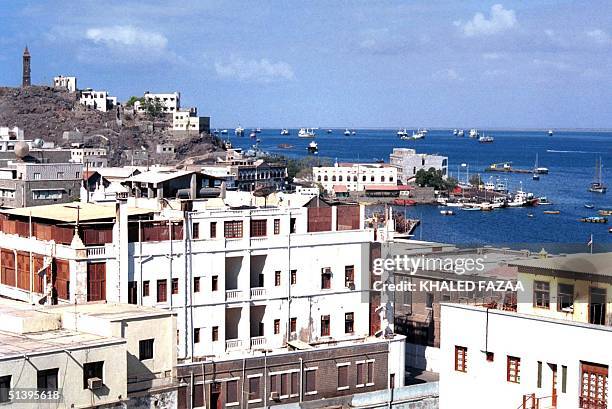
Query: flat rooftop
111	311
582	263
67	212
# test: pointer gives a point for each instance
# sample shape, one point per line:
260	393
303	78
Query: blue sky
332	63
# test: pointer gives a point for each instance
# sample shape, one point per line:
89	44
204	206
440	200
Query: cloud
599	37
262	70
126	37
493	56
501	20
448	74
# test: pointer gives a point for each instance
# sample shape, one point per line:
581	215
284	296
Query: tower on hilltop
26	81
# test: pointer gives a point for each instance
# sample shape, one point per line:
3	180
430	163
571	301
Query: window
460	359
277	278
213	230
293	277
215	333
429	300
36	176
175	286
541	294
293	324
343	377
273	383
363	179
214	283
365	373
597	306
565	297
276	226
288	384
47	194
563	379
47	379
258	228
349	276
60	175
513	373
145	288
594	385
277	326
490	356
195	230
382	178
326	278
292	225
92	370
5	387
348	323
232	229
310	386
254	388
539	374
324	325
232	391
145	349
196	284
132	292
162	295
196	335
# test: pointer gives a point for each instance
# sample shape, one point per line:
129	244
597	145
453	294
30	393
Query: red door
96	282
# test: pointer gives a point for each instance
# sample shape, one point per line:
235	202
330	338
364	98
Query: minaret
26	82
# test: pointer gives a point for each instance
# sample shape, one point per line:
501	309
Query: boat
419	134
239	131
460	133
402	133
486	139
536	175
543	201
347	132
474	133
224	132
550	132
404	202
253	134
258	130
594	219
455	132
313	148
610	230
529	214
551	212
285	146
605	212
306	133
471	208
597	186
589	206
353	133
284	132
329	131
447	213
522	198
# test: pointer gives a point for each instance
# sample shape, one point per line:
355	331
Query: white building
170	102
68	83
408	163
99	100
9	137
553	352
355	177
93	157
189	121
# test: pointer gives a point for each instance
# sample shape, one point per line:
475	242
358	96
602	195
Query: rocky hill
47	113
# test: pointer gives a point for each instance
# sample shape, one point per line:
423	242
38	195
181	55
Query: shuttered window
311	381
343	377
258	228
96	282
232	391
460	359
232	229
514	369
162	295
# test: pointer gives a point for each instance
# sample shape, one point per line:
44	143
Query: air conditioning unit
94	383
274	396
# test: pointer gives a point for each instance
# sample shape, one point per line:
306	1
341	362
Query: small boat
471	208
402	133
329	131
258	130
224	132
347	132
284	132
610	230
550	132
551	212
474	133
486	139
447	213
536	175
353	133
605	212
529	214
306	133
239	131
285	146
253	135
543	201
313	148
597	186
419	134
455	132
589	206
460	133
404	202
594	219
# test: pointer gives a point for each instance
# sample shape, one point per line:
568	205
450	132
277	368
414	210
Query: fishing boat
461	132
597	186
522	198
419	134
239	131
447	213
253	134
402	133
347	132
313	148
306	133
543	201
486	139
224	132
258	130
474	133
284	132
551	212
594	219
605	212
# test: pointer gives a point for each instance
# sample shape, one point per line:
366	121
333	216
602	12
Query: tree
431	178
153	107
130	102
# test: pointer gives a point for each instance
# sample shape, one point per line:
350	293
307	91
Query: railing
233	344
258	292
96	251
232	294
530	401
258	341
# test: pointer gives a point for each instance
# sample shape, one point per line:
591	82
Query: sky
360	63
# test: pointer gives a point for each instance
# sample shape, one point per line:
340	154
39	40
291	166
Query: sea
570	156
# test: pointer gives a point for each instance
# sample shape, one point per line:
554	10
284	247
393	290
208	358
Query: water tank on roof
21	149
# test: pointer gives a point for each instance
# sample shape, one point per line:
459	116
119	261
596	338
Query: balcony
258	342
96	252
258	292
233	344
232	295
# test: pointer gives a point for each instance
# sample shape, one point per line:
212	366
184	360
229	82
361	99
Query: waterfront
569	155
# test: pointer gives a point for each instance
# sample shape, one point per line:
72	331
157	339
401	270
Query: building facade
99	100
408	163
355	177
188	121
92	157
9	137
67	83
170	102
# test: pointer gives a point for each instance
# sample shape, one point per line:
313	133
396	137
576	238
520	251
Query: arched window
340	178
319	178
334	178
325	178
382	178
355	178
390	178
372	178
363	179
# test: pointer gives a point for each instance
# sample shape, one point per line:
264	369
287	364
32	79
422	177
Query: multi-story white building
552	352
170	102
93	157
68	83
189	121
408	163
99	100
356	177
9	137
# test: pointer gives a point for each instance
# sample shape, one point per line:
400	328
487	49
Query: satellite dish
21	149
38	143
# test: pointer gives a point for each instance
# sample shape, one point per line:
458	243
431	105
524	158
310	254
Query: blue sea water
569	155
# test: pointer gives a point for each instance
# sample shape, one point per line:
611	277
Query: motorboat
313	148
253	134
474	133
224	132
543	201
455	132
550	132
347	132
402	133
486	139
306	133
284	132
447	213
329	131
589	206
239	131
461	133
258	130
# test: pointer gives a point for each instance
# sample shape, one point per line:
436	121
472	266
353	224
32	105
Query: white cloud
262	70
599	36
448	74
501	19
493	56
126	37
